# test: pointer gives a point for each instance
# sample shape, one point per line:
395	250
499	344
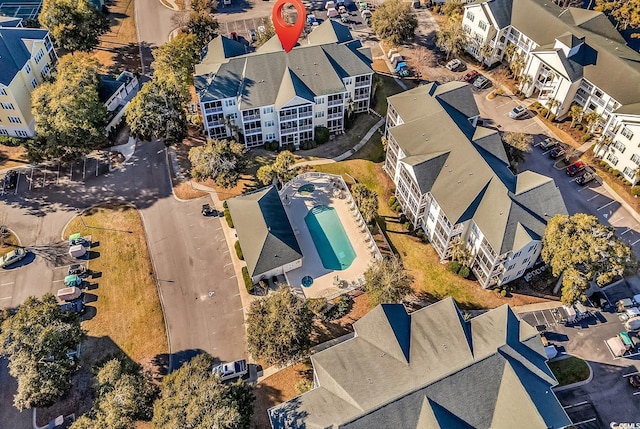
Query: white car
453	64
231	370
518	112
13	257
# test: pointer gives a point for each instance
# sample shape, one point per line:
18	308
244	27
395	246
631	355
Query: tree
203	25
70	119
510	51
36	340
75	25
192	397
460	251
581	249
387	282
367	201
265	32
576	114
394	22
175	61
123	395
279	327
158	111
204	5
626	13
453	9
280	169
525	80
452	38
486	52
552	103
593	118
517	145
220	160
517	64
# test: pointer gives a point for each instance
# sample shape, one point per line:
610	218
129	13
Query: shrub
239	251
11	141
626	182
341	307
436	9
454	267
543	111
403	218
586	137
227	217
225	205
579	126
635	191
392	201
321	135
503	292
552	117
409	226
248	283
464	272
603	163
304	385
617	173
317	306
274	145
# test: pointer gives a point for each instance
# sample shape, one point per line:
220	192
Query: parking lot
52	174
591	198
608	397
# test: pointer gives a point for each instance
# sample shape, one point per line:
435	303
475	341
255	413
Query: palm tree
452	38
517	65
510	51
552	103
525	80
593	118
460	251
575	112
486	53
517	145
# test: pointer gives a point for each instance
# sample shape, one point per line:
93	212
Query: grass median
570	370
128	309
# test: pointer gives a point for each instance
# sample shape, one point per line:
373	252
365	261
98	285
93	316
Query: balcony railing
211	110
580	100
288	117
246	118
286	131
488	250
361	84
335	115
253	131
336	103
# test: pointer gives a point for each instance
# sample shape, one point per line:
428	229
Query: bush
464	272
304	385
341	307
225	205
227	217
392	201
454	267
248	283
617	173
552	117
503	292
586	137
321	135
626	182
403	218
239	251
579	126
543	111
603	163
317	306
635	191
11	141
409	226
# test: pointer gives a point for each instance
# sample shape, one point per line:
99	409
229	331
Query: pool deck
327	192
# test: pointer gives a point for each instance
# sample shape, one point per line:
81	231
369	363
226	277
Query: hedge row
239	251
248	283
227	216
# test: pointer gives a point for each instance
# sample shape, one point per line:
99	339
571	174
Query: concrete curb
579	383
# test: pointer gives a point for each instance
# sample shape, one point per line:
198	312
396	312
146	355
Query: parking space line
585	421
7	284
5	297
576	405
629	229
594	197
607	205
611	222
635	242
630	374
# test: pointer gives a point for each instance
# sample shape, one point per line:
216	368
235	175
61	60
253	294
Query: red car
575	168
470	76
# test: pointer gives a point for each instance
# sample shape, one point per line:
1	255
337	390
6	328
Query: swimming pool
329	237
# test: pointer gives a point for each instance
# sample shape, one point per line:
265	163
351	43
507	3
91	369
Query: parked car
342	9
576	168
454	64
332	12
366	14
253	36
549	143
481	82
72	280
13	257
469	77
76	238
557	152
311	19
345	18
77	250
69	293
329	5
207	210
231	370
75	306
551	351
634	380
10	180
518	112
585	178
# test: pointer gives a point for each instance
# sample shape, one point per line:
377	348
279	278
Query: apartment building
26	59
271	95
573	56
453	180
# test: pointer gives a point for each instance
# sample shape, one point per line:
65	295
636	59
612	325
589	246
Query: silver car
13	257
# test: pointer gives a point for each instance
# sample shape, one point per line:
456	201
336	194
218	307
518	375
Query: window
266	110
14	120
39	56
269	123
21	133
532	247
7	106
3	132
3	91
516	255
636	159
519	273
348	81
229	103
627	133
270	136
628	172
621	147
320	100
319	114
470	16
466	29
34	82
612	159
478	37
482	25
27	68
44	71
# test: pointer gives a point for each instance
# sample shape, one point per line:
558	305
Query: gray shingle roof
618	66
489	372
15	50
314	70
466	168
265	234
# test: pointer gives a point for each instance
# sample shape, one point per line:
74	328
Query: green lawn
9	244
385	87
570	370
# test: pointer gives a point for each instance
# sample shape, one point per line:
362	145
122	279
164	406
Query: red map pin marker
287	33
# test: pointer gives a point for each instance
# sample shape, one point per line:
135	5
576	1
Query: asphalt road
188	251
154	24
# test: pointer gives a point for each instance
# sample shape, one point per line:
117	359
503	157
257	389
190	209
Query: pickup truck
549	143
576	168
231	370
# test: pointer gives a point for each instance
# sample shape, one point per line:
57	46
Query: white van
69	293
330	5
77	251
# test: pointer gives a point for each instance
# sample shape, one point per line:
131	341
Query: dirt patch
325	331
185	191
12	156
118	49
380	66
